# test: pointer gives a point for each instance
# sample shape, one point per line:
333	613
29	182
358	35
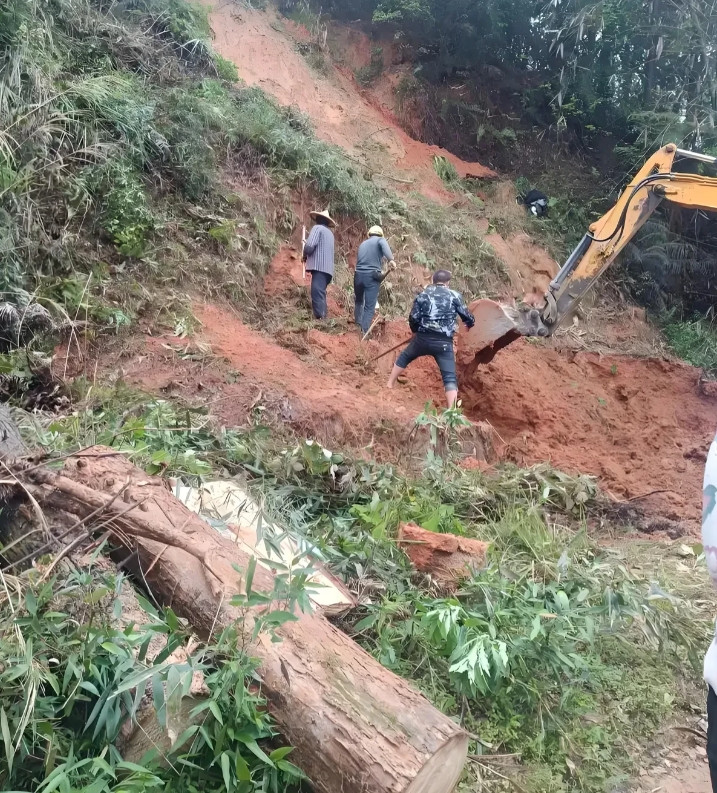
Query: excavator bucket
496	326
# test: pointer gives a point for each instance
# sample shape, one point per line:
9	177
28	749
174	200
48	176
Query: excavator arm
497	326
607	237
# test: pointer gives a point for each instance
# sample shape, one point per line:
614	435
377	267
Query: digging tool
303	245
395	347
373	325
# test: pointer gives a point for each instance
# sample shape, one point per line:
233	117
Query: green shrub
70	678
695	341
316	59
125	214
447	171
368	74
224	233
226	70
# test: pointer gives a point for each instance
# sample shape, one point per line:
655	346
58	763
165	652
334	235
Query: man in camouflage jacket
434	320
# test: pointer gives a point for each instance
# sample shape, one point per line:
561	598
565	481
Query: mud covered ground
641	425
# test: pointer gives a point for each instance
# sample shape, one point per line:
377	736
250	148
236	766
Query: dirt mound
529	267
263	46
321	384
285	272
642	426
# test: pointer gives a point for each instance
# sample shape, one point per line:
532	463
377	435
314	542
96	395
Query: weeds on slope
110	112
75	669
129	156
695	341
559	651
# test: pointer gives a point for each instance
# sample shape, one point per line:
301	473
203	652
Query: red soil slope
263	46
639	425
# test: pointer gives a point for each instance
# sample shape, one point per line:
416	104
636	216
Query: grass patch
446	171
695	341
316	58
440	236
71	663
368	74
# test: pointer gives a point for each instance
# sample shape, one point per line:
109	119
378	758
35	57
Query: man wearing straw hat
319	258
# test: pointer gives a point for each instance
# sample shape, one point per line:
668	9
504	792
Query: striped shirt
319	250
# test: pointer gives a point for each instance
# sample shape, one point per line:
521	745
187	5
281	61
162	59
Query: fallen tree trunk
356	727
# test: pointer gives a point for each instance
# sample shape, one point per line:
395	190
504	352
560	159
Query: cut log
11	445
447	557
356	727
146	733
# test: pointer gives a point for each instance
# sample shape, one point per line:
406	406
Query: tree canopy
643	71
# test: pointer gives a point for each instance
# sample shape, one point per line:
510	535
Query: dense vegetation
75	668
639	73
572	95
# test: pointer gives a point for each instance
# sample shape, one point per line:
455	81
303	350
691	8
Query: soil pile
320	383
642	426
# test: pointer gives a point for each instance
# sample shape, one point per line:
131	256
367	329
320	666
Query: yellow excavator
497	325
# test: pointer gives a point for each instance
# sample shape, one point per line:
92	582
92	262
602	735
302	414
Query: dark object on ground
536	201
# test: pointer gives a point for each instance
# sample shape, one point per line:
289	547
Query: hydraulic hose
655	177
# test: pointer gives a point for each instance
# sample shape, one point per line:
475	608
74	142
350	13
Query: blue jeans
366	286
319	284
440	348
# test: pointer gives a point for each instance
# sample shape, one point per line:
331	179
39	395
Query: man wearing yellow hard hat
369	274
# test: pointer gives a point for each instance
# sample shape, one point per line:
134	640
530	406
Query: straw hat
325	214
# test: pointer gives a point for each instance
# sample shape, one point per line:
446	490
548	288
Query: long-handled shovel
395	347
373	325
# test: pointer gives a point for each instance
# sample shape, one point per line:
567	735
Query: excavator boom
606	238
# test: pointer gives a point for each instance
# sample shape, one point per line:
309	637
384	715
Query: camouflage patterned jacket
436	310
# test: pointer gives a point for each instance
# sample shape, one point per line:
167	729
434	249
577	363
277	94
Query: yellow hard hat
375	231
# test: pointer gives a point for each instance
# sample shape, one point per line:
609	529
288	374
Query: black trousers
319	284
712	735
440	348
